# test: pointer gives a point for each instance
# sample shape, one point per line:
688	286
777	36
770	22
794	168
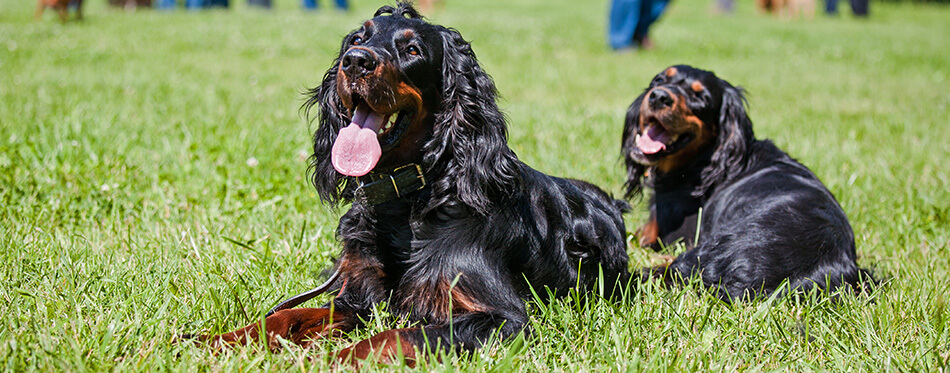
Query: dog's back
776	222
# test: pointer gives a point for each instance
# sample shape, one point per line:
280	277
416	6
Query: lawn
153	180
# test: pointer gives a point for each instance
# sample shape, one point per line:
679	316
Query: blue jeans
312	4
631	20
858	7
199	4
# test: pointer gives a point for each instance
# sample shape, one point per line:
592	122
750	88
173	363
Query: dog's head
686	116
405	91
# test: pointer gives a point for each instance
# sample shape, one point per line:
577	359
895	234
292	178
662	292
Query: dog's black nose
358	62
660	98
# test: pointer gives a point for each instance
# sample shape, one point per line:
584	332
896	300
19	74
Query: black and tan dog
765	217
447	226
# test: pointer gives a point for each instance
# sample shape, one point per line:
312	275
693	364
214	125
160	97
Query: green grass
130	212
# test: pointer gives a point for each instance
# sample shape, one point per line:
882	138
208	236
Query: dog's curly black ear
635	170
734	138
469	145
331	185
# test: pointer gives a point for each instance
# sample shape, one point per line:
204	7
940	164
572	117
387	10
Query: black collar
378	188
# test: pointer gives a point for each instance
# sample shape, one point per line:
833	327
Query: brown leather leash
305	296
375	189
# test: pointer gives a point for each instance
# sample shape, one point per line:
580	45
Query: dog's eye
356	40
413	50
658	80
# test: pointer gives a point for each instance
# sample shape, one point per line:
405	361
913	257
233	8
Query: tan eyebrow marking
697	86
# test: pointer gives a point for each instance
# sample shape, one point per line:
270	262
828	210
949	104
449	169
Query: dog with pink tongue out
446	226
754	221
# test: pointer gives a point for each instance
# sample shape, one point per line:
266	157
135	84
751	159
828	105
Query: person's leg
195	4
622	23
725	6
831	7
342	5
651	10
655	10
859	8
166	4
310	4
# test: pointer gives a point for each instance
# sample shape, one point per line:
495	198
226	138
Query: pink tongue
356	149
653	140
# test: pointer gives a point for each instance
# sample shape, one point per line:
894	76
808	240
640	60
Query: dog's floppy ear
635	170
330	185
469	145
734	137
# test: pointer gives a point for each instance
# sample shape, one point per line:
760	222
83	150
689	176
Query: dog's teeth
674	138
637	138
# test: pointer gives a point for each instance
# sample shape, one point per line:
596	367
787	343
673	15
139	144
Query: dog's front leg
63	11
648	234
300	326
385	347
467	331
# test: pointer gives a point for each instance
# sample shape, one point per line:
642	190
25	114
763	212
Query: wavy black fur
486	221
766	218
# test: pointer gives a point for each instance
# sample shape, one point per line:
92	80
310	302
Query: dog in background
765	218
446	225
61	7
788	9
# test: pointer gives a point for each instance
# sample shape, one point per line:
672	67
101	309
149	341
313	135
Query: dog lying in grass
447	226
788	9
763	218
